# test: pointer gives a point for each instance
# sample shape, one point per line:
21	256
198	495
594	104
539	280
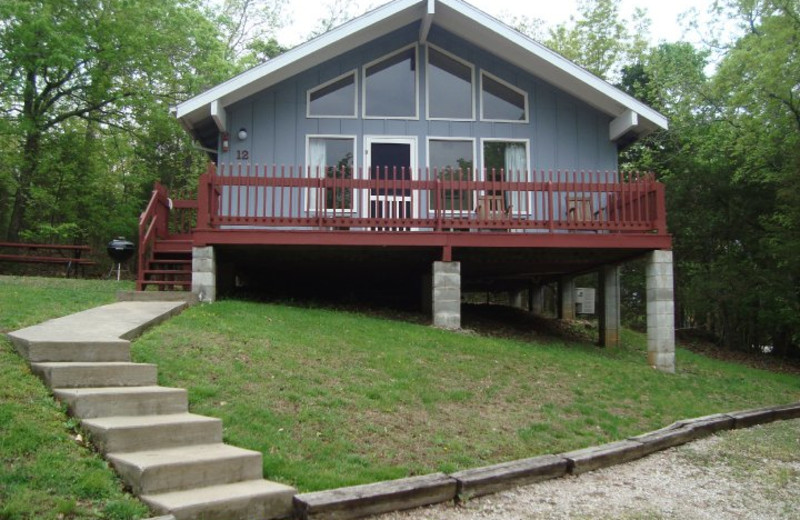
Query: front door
392	163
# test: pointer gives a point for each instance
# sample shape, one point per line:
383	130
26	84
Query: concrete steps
89	403
134	433
186	467
66	374
256	499
98	351
174	459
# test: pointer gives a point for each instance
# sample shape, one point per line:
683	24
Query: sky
663	14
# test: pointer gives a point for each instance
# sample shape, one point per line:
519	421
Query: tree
730	161
598	39
337	12
248	28
70	69
759	80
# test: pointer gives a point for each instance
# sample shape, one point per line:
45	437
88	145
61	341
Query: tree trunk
30	163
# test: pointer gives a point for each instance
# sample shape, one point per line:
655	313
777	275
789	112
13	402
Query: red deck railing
429	200
162	219
152	224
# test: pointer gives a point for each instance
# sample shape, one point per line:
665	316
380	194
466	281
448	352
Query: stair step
173	246
134	433
184	284
83	375
186	237
251	499
89	351
183	261
88	403
155	296
187	467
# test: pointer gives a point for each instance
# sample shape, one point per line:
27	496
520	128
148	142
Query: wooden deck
248	205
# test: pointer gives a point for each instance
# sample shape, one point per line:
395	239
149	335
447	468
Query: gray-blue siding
564	133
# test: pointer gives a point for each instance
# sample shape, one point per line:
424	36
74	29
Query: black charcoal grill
120	251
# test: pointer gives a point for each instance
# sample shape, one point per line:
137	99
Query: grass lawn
336	398
44	472
339	398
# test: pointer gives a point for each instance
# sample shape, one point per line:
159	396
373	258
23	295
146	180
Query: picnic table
69	255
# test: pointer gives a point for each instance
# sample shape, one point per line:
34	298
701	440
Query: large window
336	98
331	158
390	86
502	102
450	93
452	160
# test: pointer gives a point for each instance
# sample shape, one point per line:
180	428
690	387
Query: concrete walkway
122	320
174	460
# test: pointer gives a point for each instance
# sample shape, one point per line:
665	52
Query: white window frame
415	117
311	195
473	84
510	86
529	160
475	169
310	91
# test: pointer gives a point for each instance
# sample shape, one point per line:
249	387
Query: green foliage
598	39
248	29
45	233
86	90
730	161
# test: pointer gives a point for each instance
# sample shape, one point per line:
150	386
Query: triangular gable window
501	101
336	98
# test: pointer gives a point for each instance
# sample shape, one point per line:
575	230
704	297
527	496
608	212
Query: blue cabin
427	142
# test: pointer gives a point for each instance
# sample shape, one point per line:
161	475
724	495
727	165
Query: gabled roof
632	117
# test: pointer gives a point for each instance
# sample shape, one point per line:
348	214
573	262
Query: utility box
584	300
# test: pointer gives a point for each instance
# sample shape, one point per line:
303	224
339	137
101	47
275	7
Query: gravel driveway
744	474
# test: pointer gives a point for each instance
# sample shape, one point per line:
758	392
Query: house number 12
242	155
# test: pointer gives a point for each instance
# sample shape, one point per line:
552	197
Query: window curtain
516	164
316	158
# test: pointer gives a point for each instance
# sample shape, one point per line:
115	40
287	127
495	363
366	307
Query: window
331	158
450	94
502	102
452	160
336	98
506	161
390	86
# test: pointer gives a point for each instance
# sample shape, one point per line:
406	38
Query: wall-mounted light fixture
242	134
226	142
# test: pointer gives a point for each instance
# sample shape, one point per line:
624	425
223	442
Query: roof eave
347	36
455	16
471	23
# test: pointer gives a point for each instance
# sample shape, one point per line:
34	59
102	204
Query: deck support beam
609	306
204	273
516	298
660	311
446	294
537	299
566	297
